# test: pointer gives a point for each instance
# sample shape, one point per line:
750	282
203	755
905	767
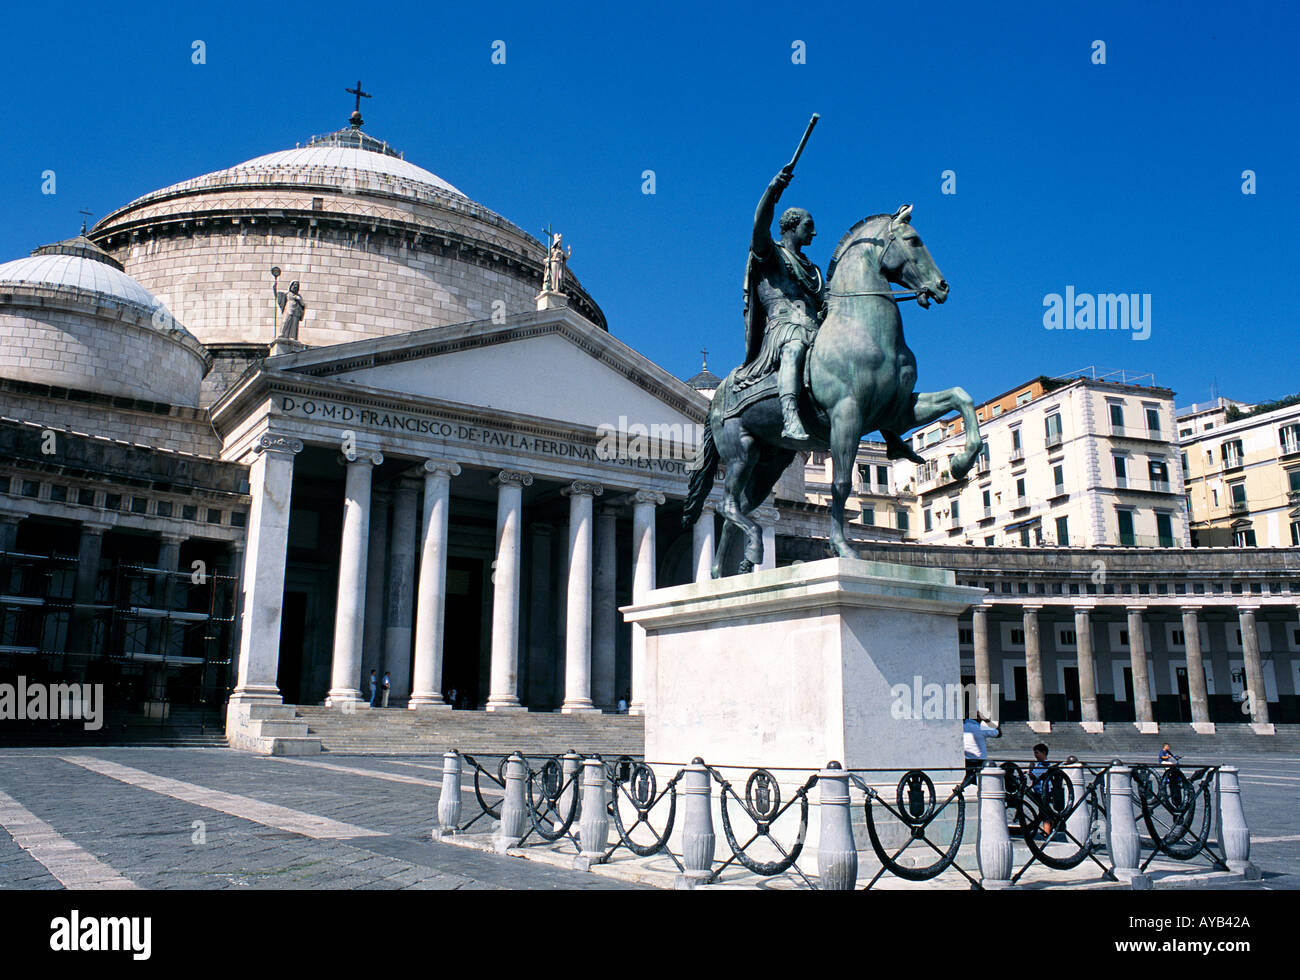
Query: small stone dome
71	318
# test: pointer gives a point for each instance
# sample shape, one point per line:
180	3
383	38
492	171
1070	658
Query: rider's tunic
792	291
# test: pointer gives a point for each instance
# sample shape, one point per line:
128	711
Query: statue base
549	299
842	660
282	345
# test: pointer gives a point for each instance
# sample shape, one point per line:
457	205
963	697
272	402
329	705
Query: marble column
81	627
1196	688
169	560
401	592
1257	696
372	647
1087	670
431	603
702	543
577	631
350	609
605	612
270	484
503	694
1137	646
983	679
644	503
767	518
1034	671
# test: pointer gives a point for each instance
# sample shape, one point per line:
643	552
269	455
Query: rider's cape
755	315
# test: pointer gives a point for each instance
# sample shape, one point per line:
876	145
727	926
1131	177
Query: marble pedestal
797	666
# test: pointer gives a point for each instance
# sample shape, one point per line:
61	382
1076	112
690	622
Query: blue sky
1122	177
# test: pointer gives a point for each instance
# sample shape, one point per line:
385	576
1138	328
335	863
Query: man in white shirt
975	732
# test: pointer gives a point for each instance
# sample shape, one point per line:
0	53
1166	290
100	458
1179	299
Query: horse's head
905	260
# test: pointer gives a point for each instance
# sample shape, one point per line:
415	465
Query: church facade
424	473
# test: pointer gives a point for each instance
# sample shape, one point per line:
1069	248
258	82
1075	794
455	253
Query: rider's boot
792	426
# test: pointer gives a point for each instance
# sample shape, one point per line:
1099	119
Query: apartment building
1077	462
1242	473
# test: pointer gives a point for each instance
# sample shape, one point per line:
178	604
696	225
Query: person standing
374	688
975	733
388	683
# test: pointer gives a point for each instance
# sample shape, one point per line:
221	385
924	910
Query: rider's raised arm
761	243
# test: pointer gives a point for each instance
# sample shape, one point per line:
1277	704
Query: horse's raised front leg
846	433
931	405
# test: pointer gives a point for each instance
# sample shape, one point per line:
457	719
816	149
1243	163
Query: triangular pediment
552	365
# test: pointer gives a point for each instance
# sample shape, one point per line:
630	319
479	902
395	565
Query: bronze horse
861	379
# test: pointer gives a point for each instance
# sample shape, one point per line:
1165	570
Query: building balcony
1017	456
1053	440
1239	507
1137	432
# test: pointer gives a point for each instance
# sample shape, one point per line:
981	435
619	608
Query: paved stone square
213	818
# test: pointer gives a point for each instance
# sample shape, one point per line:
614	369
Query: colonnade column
270	484
349	612
605	600
431	603
503	685
702	543
1137	646
1087	670
644	503
169	560
9	522
1196	688
983	681
1034	671
577	631
401	589
1256	695
81	627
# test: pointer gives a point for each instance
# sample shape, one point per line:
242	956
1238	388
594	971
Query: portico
509	538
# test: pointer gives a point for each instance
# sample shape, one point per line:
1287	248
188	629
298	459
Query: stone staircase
396	731
1229	743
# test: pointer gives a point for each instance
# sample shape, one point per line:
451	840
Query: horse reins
903	296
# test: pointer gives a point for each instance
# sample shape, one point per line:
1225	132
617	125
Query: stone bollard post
1234	835
1079	823
569	796
514	815
993	842
698	840
837	857
1122	841
594	829
449	798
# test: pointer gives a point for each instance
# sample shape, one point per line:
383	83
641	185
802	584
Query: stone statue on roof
556	260
293	307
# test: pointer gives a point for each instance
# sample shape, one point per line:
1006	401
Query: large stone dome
71	318
379	246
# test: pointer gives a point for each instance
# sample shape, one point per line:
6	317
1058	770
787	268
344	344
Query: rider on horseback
784	302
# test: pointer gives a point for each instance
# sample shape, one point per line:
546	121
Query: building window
139	505
1159	473
1053	424
31	488
1165	530
1024	398
189	512
1244	537
214	516
1021	499
1232	454
1289	435
882	477
1116	417
1295	534
955	504
1063	531
1068	638
1016	451
929	521
997	410
1184	460
1017	637
58	493
1177	637
1125	519
1237	494
238	518
1121	472
1024	537
868	515
112	501
988	541
1153	421
965	636
86	498
1293	481
1058	478
163	508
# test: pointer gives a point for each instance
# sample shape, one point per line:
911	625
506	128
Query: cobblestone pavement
216	819
212	818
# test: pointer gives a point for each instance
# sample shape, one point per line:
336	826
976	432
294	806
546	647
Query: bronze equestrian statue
826	364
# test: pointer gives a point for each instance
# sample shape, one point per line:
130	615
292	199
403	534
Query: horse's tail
702	470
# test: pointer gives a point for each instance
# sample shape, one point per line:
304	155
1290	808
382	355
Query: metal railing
1121	818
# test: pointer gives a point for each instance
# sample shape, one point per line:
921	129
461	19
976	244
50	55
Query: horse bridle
903	296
